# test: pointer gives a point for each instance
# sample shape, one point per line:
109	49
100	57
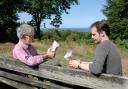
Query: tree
116	12
47	9
8	18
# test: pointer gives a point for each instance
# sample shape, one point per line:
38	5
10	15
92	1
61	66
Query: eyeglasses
31	36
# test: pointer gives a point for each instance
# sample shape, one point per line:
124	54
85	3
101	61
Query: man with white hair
24	51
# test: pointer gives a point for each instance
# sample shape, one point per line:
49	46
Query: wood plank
32	82
69	76
15	84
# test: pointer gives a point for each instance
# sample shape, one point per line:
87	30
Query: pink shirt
27	54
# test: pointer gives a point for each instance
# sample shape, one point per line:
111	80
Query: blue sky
80	16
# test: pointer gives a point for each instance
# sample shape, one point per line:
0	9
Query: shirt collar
25	46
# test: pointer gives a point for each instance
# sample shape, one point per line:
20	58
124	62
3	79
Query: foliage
39	9
52	35
47	9
8	17
122	43
116	12
67	35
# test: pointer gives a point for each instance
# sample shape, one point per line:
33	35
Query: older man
24	51
107	58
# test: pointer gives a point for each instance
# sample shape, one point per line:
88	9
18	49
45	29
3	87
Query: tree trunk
37	18
38	31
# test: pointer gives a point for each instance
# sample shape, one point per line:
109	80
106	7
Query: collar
25	46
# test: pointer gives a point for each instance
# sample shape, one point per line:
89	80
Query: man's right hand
74	63
50	54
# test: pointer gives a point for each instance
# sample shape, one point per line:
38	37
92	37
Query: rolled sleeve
33	60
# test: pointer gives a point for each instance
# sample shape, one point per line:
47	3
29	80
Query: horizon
72	29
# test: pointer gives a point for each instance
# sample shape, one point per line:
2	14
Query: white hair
24	29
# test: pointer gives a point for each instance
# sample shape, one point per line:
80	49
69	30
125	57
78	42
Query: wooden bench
49	76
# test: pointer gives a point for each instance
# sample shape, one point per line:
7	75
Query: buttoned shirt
27	54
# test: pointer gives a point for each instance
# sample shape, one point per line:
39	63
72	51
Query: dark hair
101	26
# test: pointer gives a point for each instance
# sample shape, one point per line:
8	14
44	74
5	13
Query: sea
72	29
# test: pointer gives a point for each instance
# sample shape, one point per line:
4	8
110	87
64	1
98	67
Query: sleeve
100	55
28	59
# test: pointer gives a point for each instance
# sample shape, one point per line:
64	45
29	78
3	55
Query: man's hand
50	54
69	58
74	63
84	65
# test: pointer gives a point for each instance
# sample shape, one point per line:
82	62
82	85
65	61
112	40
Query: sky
80	16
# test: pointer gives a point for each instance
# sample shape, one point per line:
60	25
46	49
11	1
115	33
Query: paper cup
55	45
68	54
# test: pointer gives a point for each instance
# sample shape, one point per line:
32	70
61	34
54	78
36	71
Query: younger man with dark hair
107	58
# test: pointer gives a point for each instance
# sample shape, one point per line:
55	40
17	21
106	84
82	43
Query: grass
6	50
81	51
